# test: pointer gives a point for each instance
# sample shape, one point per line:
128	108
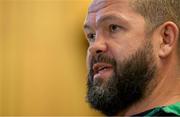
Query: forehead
97	5
102	8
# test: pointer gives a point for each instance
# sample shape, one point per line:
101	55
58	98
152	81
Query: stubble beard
127	85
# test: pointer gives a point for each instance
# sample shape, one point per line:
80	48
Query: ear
169	33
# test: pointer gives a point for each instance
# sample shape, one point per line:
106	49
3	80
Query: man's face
120	56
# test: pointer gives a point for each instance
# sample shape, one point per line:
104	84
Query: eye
114	28
91	37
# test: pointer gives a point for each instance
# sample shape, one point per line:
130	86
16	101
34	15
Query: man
134	57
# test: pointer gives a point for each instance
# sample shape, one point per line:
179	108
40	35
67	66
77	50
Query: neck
165	91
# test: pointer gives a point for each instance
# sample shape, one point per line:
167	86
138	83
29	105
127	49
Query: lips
101	69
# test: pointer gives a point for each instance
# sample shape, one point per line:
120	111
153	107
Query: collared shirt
170	110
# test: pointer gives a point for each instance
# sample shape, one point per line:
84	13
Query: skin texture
122	39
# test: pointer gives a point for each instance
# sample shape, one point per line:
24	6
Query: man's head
157	12
125	50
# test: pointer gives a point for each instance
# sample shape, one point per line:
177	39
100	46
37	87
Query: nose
99	46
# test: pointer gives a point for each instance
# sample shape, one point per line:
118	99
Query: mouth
102	70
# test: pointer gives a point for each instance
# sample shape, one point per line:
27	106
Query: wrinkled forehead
97	5
102	8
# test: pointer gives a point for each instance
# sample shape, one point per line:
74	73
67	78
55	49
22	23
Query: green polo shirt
170	110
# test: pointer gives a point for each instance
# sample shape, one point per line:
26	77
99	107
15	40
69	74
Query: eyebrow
106	18
110	17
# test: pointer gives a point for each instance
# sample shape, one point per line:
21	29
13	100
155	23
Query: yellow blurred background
42	57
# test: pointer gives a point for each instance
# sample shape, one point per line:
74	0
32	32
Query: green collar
170	109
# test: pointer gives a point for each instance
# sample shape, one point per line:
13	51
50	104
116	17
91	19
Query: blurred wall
42	57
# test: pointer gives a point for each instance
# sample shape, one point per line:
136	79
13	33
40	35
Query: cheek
118	51
121	51
88	59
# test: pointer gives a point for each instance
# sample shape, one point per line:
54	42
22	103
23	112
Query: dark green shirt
170	110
